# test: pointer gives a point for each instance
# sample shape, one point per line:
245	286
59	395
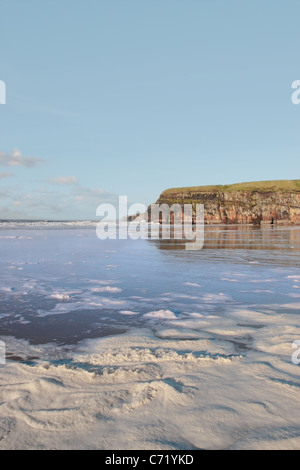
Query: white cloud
17	159
5	175
74	202
82	194
64	180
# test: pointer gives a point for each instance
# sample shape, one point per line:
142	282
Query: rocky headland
264	202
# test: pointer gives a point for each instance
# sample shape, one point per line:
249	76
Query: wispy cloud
5	174
64	180
54	202
17	159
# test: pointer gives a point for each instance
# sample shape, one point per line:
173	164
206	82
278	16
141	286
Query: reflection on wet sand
245	237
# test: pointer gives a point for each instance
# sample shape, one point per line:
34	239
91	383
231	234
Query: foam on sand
211	368
137	391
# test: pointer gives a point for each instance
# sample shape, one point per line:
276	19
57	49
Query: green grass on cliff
288	186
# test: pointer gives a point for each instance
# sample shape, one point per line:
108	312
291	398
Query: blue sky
130	97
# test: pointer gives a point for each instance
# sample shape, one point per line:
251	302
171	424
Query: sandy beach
136	391
187	350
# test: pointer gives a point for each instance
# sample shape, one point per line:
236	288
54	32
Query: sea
60	283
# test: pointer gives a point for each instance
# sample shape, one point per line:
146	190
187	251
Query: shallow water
64	285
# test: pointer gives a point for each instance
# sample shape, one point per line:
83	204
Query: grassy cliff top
289	186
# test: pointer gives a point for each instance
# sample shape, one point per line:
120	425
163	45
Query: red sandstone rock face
242	207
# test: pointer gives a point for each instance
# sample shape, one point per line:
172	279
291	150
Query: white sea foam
86	302
128	312
101	281
6	289
114	390
192	284
60	296
107	289
161	315
215	298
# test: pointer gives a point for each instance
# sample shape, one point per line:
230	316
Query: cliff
264	202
